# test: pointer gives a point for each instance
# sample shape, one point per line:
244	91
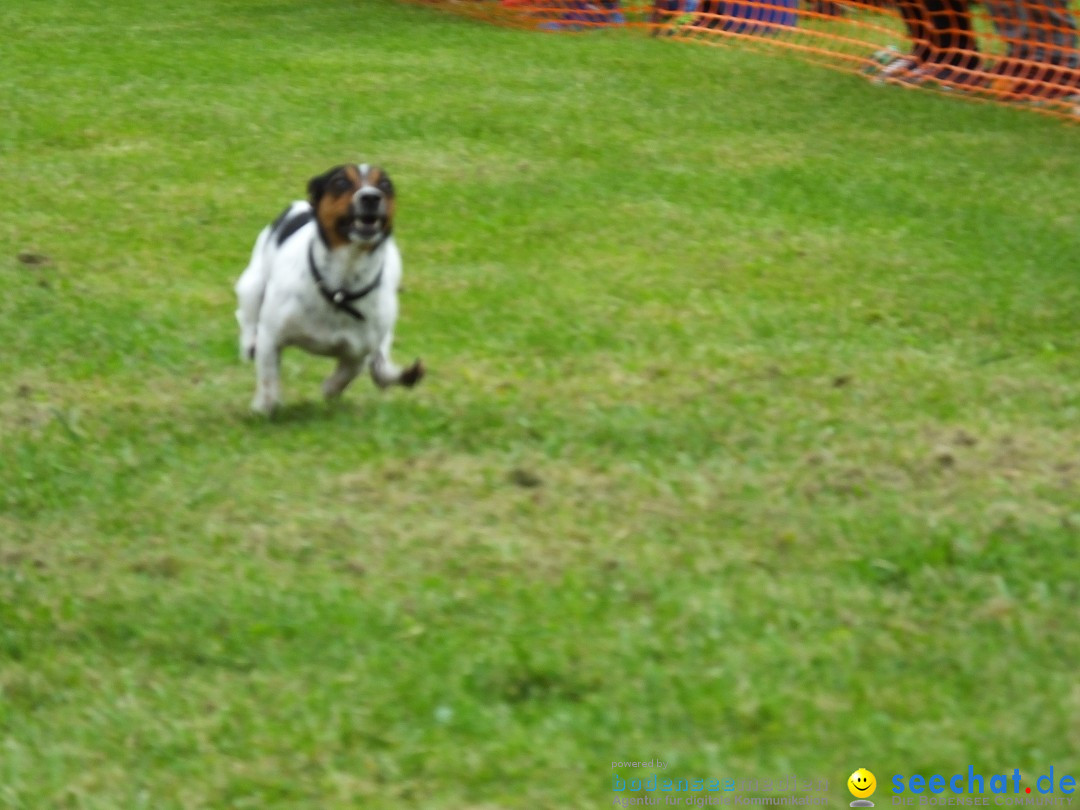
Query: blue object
597	12
685	6
759	19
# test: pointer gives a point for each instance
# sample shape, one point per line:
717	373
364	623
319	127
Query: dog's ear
316	186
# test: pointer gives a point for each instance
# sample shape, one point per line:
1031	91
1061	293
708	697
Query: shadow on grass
306	412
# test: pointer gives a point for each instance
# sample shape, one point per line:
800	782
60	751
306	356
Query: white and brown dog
324	276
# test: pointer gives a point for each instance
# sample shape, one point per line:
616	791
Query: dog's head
354	204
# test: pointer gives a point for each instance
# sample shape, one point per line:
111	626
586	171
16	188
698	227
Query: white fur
280	305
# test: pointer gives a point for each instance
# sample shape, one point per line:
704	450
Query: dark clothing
941	32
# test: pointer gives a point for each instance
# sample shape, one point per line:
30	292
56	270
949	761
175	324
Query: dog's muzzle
369	215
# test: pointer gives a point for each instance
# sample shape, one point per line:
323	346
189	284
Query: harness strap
341	299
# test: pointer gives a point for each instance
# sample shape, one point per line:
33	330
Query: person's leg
1009	18
1011	21
707	9
953	51
1050	66
916	19
952	37
1053	29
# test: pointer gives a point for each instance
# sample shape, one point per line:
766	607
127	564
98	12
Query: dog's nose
369	199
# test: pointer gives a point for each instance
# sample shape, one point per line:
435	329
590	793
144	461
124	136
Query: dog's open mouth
368	221
363	228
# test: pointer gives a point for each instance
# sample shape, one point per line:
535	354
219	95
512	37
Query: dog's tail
250	288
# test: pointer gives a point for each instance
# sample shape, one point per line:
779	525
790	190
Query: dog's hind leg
250	289
345	373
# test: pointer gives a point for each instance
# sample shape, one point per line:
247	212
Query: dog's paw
413	374
263	406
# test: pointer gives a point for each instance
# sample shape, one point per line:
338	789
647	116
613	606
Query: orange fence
1015	51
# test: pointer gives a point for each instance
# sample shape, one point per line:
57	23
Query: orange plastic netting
1018	51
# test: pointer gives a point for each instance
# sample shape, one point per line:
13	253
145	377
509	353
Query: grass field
751	439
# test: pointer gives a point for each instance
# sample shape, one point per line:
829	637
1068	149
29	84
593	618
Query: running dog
324	277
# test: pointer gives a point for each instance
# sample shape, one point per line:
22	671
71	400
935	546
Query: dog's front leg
345	373
267	374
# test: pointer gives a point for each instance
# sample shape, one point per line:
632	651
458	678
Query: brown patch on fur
390	212
381	180
335	204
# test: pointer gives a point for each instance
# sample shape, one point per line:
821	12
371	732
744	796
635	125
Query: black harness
342	299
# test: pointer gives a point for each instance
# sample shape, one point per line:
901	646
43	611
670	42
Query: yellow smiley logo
862	784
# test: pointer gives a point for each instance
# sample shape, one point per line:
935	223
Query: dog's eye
339	185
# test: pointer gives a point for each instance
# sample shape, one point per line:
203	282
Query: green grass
750	439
